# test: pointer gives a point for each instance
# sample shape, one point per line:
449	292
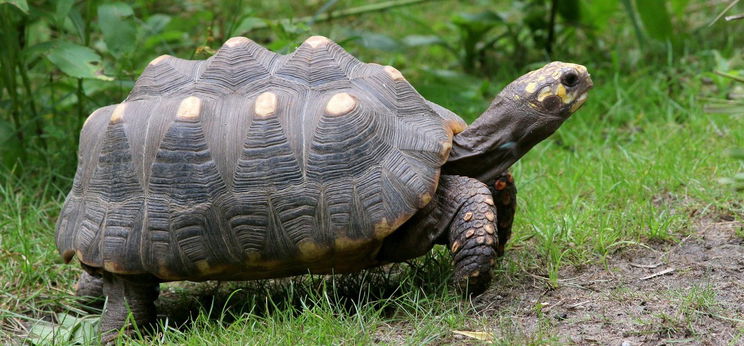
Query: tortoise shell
252	164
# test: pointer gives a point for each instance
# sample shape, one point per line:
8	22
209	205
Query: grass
637	165
627	169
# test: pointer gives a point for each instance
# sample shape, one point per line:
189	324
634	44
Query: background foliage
63	59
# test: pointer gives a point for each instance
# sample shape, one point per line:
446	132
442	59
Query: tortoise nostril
570	79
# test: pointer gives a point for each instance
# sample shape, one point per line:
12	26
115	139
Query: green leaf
75	60
78	23
655	18
119	30
422	40
37	51
68	330
20	4
62	10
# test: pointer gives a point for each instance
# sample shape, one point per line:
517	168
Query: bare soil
691	292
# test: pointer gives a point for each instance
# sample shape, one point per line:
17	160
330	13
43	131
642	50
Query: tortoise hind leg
90	289
472	237
127	294
505	196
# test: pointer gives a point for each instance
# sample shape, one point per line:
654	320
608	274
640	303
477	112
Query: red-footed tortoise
253	165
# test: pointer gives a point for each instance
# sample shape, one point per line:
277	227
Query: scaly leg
90	289
505	196
472	239
135	294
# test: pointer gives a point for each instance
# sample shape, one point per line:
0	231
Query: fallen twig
730	6
665	271
648	266
579	304
548	306
719	316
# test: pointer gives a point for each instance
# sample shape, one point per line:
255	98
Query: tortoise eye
570	79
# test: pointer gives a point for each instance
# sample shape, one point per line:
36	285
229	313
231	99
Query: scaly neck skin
497	139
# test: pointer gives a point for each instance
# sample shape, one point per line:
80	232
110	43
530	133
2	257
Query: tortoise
254	165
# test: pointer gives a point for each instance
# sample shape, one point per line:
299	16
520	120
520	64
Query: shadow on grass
384	289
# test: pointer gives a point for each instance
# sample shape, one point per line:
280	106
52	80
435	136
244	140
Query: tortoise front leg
472	237
125	294
505	197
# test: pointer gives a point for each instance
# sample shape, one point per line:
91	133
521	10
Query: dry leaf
483	336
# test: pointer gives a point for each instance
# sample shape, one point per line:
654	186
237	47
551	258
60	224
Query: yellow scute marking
393	73
311	250
456	126
340	104
118	113
265	104
382	228
345	243
252	257
446	147
159	59
317	41
189	108
235	41
202	266
425	199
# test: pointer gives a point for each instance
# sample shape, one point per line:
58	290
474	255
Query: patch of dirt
690	292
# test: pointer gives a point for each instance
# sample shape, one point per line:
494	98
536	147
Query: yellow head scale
558	88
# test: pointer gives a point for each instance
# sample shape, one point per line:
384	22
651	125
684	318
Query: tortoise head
557	89
526	112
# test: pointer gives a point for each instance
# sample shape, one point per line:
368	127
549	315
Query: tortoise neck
498	138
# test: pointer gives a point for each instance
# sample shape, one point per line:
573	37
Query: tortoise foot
90	291
130	305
